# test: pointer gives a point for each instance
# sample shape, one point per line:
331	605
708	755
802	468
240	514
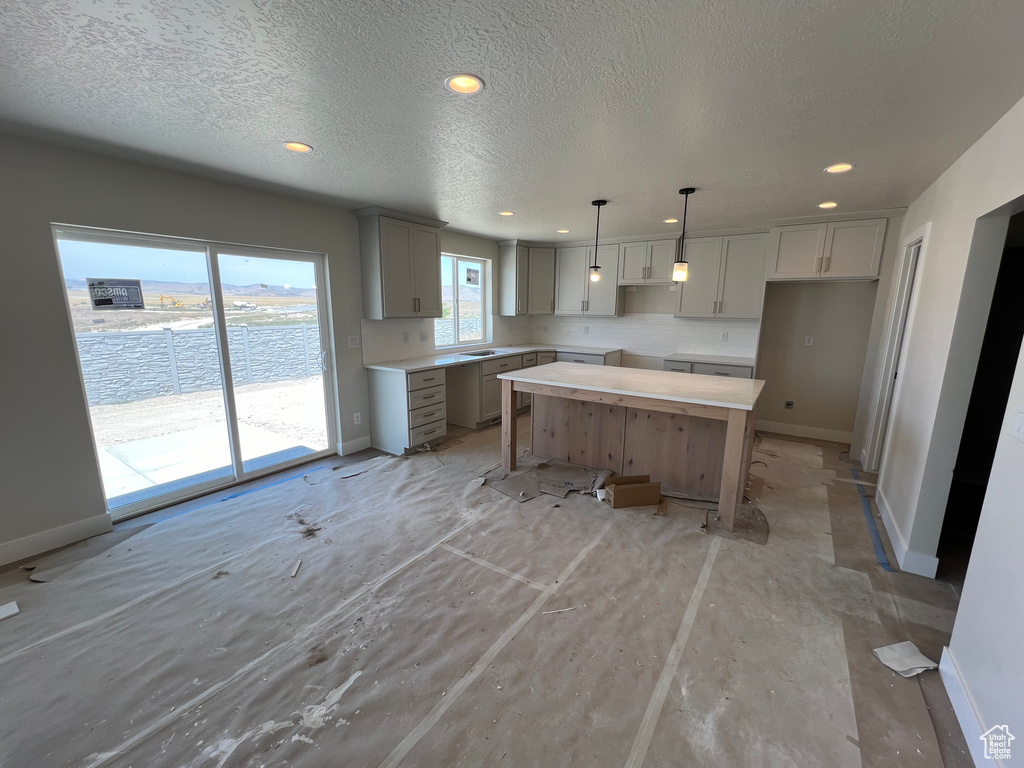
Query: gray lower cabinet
475	390
709	369
590	358
422	420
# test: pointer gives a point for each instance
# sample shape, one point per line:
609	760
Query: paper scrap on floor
905	659
558	479
8	609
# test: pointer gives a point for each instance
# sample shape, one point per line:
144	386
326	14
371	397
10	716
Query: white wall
947	322
51	486
983	669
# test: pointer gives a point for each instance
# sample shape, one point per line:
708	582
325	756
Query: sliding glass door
202	365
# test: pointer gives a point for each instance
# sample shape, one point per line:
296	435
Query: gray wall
128	366
49	473
823	380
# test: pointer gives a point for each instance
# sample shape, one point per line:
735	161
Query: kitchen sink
481	353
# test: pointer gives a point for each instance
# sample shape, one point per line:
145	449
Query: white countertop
713	359
721	391
447	359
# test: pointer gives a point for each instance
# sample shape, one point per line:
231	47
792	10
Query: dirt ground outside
293	409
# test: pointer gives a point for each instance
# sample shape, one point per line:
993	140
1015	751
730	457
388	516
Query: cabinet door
395	266
853	248
522	278
426	270
544	358
541	288
698	296
796	252
490	396
741	282
661	257
570	274
603	296
633	264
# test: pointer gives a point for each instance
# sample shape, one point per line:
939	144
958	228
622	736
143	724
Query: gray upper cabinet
401	265
726	277
647	263
540	296
527	280
575	293
833	250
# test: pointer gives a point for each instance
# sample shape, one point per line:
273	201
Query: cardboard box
632	491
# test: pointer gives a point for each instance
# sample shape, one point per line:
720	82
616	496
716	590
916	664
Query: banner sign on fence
116	294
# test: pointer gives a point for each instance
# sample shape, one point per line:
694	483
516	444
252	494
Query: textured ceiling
745	99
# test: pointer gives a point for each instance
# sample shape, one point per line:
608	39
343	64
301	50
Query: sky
83	260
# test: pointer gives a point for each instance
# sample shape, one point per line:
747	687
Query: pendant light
681	269
595	270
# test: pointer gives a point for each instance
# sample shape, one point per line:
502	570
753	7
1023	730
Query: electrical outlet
405	337
357	418
424	336
545	329
672	288
353	342
789	405
808	341
723	336
1018	426
586	330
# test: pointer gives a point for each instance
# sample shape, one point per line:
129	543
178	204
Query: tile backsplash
655	335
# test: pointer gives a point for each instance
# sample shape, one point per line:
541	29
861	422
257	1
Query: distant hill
203	289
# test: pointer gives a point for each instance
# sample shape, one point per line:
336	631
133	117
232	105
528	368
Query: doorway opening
202	364
1004	332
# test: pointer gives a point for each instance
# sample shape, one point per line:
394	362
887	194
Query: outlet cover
353	342
808	341
1018	426
586	330
723	336
545	329
405	337
424	336
357	417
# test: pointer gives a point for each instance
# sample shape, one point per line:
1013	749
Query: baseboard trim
963	707
61	536
354	446
797	430
909	560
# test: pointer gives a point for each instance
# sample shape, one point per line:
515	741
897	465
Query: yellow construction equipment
164	300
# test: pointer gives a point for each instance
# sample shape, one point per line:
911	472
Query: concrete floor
435	622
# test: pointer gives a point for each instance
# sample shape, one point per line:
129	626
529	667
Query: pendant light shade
681	269
595	270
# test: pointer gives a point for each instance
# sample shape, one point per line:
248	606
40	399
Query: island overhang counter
694	433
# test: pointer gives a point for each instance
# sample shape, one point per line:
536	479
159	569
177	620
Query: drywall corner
44	541
354	446
909	560
963	706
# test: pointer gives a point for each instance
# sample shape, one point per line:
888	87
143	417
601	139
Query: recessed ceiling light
671	221
297	146
506	213
563	231
828	204
839	168
464	84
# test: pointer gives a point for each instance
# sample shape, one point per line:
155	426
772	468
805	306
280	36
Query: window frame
485	300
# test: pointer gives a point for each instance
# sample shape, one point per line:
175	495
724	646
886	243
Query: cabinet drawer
427	432
545	358
736	371
529	360
429	396
502	364
424	379
574	357
677	366
426	415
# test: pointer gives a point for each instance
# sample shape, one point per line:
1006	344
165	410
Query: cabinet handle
581	306
427	397
817	265
520	304
430	379
828	263
588	304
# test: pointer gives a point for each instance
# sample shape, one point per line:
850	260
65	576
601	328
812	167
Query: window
463	318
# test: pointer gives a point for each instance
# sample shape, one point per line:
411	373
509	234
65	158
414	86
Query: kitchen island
693	433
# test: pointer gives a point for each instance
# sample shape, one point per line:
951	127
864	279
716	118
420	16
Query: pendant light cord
597	232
